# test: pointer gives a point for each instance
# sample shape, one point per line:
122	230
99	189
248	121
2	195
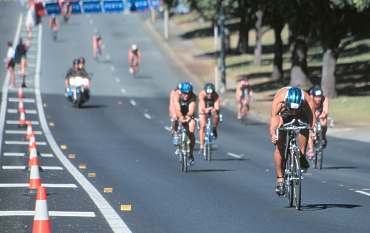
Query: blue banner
52	8
113	6
76	7
92	6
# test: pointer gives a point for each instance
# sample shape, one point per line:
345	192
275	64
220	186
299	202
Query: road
121	137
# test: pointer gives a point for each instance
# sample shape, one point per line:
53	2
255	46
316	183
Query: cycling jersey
245	91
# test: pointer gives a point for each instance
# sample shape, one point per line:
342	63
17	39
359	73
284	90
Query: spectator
10	64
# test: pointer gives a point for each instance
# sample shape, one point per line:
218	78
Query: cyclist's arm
237	92
276	107
217	104
309	110
325	107
191	111
201	103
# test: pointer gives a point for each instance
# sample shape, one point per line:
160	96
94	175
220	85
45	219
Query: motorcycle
78	91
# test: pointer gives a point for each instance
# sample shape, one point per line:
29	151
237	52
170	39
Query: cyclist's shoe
324	143
310	155
304	163
191	162
177	151
214	133
280	189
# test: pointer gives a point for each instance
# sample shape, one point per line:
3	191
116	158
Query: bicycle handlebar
291	126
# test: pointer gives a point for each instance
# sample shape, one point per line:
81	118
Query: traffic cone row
41	222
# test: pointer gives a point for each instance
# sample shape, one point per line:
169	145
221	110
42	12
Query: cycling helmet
81	60
75	61
316	91
134	47
209	88
179	86
186	88
294	98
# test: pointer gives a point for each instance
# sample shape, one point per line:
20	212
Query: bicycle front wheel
288	179
297	184
207	151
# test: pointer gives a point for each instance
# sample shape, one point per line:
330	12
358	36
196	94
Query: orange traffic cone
20	93
33	159
29	131
22	118
35	180
20	106
41	223
32	143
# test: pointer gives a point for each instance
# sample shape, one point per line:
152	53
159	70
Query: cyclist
243	94
134	59
20	58
96	44
171	107
289	103
185	105
54	26
209	102
321	110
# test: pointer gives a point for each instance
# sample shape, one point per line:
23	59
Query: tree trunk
243	41
277	72
298	71
328	73
259	33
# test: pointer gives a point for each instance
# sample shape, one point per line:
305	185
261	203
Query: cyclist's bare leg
303	140
216	120
324	125
278	157
202	128
192	137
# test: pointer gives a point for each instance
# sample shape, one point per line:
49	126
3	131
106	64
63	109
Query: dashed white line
54	168
25	100
147	116
365	189
22	185
51	213
133	102
18	154
363	192
24	143
234	155
11	122
21	132
28	111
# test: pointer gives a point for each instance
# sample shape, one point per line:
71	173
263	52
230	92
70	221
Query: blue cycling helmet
186	88
316	91
179	86
294	98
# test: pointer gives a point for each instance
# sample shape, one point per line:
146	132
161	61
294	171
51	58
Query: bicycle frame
208	137
184	147
318	146
292	166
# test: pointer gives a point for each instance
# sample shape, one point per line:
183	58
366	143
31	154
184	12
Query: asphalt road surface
120	141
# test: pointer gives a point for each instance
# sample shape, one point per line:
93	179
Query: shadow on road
94	106
340	167
209	170
313	207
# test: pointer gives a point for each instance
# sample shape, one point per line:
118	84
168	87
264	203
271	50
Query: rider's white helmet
134	47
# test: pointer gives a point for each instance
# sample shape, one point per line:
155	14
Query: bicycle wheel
288	178
207	151
297	181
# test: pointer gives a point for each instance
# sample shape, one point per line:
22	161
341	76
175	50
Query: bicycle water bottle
175	139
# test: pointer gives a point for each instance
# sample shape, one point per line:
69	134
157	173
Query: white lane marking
21	132
51	213
11	122
54	168
118	80
363	192
147	116
167	128
234	155
365	189
4	95
25	100
24	143
113	219
112	68
17	154
22	185
123	91
28	111
133	102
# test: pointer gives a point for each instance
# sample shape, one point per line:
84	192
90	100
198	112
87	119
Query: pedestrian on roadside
10	64
21	59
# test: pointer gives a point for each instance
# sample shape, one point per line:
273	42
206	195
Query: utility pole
222	68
